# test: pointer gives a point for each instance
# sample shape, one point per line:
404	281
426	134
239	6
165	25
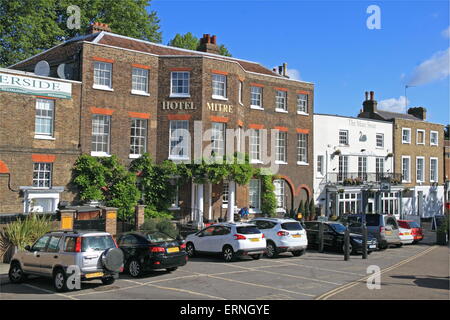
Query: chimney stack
98	27
209	44
370	105
418	112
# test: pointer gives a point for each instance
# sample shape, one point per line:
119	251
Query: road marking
329	270
287	275
335	291
48	291
260	285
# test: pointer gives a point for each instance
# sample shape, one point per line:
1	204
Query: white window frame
181	128
409	169
320	164
101	69
302	148
45	114
349	202
437	138
140	125
219	83
184	81
218	139
302	104
342	168
423	169
241	88
257	208
225	193
281	101
103	121
379	168
409	136
346	137
417	136
42	173
255	146
436	174
281	149
280	194
362	168
389	202
382	140
137	76
260	94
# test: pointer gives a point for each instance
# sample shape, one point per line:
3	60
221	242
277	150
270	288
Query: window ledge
174	208
175	95
102	88
256	107
434	145
406	142
302	113
179	158
301	163
134	156
280	162
100	154
256	162
281	110
42	137
219	98
140	93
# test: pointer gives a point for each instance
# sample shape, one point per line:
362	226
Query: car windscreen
337	227
413	224
372	220
158	237
291	226
97	243
248	230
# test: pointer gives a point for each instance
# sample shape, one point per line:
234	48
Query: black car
333	237
146	251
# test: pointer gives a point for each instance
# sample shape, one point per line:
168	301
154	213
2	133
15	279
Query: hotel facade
125	97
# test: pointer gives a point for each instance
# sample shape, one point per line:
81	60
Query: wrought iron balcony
362	178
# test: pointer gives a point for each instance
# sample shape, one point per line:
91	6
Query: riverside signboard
35	86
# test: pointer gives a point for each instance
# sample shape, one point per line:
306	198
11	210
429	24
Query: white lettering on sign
182	105
34	86
220	107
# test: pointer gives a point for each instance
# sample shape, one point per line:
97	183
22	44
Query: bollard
346	243
321	227
364	242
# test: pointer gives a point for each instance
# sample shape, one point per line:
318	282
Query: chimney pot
213	39
367	95
372	95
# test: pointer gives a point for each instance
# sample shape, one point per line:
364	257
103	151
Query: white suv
282	235
229	239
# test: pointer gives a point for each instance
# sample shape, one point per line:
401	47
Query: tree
191	42
312	209
268	198
301	208
28	27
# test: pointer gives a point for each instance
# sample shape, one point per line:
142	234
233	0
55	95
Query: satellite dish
42	68
65	71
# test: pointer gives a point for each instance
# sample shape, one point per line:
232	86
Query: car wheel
108	280
60	280
399	245
256	256
228	254
172	269
190	249
350	248
15	273
298	253
271	250
134	268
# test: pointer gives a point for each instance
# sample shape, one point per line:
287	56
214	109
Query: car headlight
357	240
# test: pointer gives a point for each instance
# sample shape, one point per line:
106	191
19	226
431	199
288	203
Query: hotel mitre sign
34	86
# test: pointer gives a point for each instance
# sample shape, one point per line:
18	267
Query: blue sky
328	43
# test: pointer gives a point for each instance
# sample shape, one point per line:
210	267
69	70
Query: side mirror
28	248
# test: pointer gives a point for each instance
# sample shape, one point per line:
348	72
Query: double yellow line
347	286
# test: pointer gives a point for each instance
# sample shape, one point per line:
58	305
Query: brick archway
304	187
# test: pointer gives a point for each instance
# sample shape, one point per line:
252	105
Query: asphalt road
308	277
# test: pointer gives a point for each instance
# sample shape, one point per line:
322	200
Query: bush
25	232
268	198
160	224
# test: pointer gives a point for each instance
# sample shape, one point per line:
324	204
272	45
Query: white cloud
446	32
293	74
393	105
433	69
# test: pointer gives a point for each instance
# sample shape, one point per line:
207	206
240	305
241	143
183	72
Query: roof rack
64	231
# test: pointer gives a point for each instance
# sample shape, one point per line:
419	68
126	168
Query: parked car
405	235
231	240
145	251
282	235
416	230
95	253
382	227
333	237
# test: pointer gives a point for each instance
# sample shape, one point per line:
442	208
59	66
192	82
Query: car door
219	237
50	255
312	230
128	244
202	242
329	236
32	259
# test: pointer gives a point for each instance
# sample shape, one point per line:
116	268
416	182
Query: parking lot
286	278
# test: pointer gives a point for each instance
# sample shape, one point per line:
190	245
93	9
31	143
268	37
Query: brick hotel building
125	96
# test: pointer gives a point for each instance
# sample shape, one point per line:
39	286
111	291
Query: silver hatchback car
93	254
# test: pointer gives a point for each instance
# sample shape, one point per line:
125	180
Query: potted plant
301	209
337	152
312	210
442	232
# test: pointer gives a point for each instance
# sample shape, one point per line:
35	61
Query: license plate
388	233
296	236
94	275
372	246
254	239
173	249
407	233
